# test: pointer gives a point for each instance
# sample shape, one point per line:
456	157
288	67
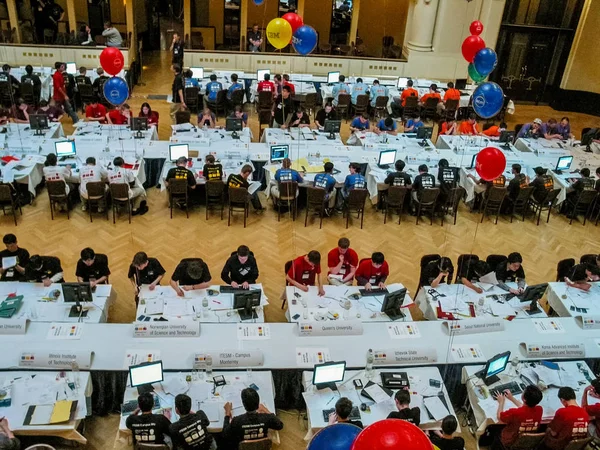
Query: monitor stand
383	166
235	135
77	311
332	386
395	314
487	381
534	308
331	136
144	389
39	132
247	314
138	135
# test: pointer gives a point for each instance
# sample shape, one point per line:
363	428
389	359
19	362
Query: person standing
177	50
177	91
283	108
60	94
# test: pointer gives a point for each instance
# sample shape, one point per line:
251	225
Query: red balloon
392	434
112	60
476	28
471	46
294	19
490	163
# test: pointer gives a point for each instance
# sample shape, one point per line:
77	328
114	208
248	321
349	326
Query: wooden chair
395	199
426	200
96	192
119	193
380	109
528	441
191	98
564	268
238	198
493	201
264	118
451	108
8	201
520	202
362	103
426	259
463	262
144	446
265	102
286	268
178	191
220	103
545	205
452	202
215	196
344	101
287	194
410	108
310	103
40	447
315	201
355	202
57	193
258	444
582	204
430	108
495	260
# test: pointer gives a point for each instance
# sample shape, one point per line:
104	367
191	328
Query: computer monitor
327	374
507	136
234	124
65	149
178	150
139	124
493	367
279	152
246	301
424	133
143	375
197	72
402	82
563	163
72	68
260	74
38	123
333	77
460	84
332	127
533	293
77	293
386	158
392	302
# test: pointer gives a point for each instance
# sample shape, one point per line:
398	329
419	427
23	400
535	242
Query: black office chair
28	94
589	258
430	108
564	268
495	260
220	103
520	202
582	204
545	205
86	94
191	98
426	201
463	263
425	259
450	206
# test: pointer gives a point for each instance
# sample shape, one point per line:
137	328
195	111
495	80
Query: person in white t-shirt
90	173
54	172
118	174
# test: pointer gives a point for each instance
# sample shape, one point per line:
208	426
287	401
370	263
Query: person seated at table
241	269
509	271
469	127
354	180
433	93
300	119
34	80
189	80
449	127
405	412
413	124
326	181
399	177
408	92
145	270
570	422
494	130
207	119
518	181
550	130
531	130
326	113
564	128
90	173
181	172
448	178
445	439
422	181
268	86
342	261
146	427
235	86
98	83
437	272
190	274
44	269
120	115
343	409
211	170
525	418
92	268
53	172
8	441
213	87
53	113
94	112
82	78
581	275
471	273
542	184
306	271
360	123
283	108
286	82
451	94
254	424
190	432
387	125
359	88
372	272
15	272
593	410
21	111
584	183
119	174
146	111
5	75
285	174
340	88
241	180
377	90
238	113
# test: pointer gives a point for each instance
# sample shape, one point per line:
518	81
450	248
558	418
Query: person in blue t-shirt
353	181
360	123
387	125
238	113
378	90
234	86
327	182
359	88
212	89
285	175
340	88
190	81
413	124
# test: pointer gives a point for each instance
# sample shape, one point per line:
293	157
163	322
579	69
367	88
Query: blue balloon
488	99
259	2
335	437
485	61
304	39
116	91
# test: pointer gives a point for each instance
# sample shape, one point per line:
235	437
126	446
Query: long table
568	301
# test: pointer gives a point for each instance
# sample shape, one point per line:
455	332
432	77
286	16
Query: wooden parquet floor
276	242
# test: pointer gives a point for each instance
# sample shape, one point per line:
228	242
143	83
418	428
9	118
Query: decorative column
187	20
354	23
423	25
13	17
243	24
300	8
72	16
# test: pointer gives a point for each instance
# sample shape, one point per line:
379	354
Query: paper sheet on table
548	376
435	407
489	278
9	261
178	307
322	302
377	393
175	385
297	164
502	309
485	286
41	415
449	304
212	409
155	306
61	412
102	290
490	406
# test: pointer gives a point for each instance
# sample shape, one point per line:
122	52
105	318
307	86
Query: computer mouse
213	292
363	406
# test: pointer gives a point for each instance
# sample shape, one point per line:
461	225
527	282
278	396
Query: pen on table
217	301
330	400
193	309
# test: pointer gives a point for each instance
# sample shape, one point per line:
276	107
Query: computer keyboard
354	415
372	292
511	386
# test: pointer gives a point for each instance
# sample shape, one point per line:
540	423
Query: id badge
306	275
244	271
372	280
343	271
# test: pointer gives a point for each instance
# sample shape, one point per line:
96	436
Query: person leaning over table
44	269
53	113
326	113
238	113
564	128
236	180
437	272
525	418
94	112
16	272
550	130
8	441
190	274
241	269
469	127
413	124
120	115
471	273
148	428
300	119
449	127
20	111
581	275
190	432
405	412
342	261
145	270
531	130
511	270
283	108
386	126
494	130
91	269
343	410
360	123
306	271
373	272
570	422
593	410
445	439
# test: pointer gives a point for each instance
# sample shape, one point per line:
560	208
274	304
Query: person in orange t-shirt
469	126
433	93
450	94
495	130
408	92
449	127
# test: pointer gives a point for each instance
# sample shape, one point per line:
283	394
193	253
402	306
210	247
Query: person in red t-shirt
267	85
525	418
95	112
495	130
306	271
570	422
372	272
120	115
342	261
61	99
449	127
593	410
408	92
146	111
469	126
433	93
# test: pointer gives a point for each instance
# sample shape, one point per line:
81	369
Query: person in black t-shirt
511	270
34	80
241	269
16	272
5	75
44	269
542	184
98	84
177	49
436	272
147	428
212	171
144	270
180	172
422	181
252	425
471	273
444	439
177	91
190	431
405	412
343	409
190	274
327	113
300	119
399	177
283	108
236	180
92	268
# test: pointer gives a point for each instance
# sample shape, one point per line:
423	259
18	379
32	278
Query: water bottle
204	306
369	366
75	371
209	365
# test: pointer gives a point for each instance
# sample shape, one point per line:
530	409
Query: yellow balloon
279	33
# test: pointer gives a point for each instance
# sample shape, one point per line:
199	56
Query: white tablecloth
564	300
